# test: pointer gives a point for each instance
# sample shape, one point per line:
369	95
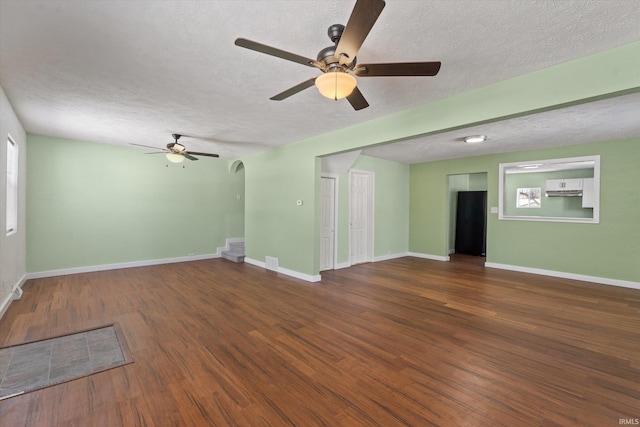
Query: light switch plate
494	209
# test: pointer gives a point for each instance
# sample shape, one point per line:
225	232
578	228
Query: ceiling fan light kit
336	84
338	62
175	158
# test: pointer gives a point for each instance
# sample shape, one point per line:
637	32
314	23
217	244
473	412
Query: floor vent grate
271	263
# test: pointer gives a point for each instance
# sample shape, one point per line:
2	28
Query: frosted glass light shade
336	84
175	158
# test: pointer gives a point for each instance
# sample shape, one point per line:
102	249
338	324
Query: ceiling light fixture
336	84
474	139
175	158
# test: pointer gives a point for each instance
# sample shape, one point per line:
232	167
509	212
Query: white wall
13	248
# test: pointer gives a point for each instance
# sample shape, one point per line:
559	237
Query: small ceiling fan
338	62
177	152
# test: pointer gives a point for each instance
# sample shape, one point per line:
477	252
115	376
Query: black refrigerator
471	223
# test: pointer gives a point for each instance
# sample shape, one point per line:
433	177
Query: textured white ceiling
124	72
607	120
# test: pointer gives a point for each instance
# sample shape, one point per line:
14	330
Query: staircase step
233	256
235	252
236	247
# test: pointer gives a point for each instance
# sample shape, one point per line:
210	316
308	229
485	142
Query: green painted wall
275	226
93	204
391	210
478	181
610	249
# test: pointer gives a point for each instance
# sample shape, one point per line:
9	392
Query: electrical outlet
192	254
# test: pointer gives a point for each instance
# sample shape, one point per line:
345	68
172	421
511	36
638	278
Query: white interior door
361	217
327	223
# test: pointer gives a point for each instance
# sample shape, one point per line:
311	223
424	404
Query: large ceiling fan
338	62
177	152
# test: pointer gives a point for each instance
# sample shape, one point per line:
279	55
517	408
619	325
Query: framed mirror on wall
558	190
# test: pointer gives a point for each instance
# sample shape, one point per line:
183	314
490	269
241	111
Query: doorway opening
467	219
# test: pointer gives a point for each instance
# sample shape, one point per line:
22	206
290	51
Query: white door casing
361	216
327	223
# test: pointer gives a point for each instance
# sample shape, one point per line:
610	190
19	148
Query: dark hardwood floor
401	342
467	259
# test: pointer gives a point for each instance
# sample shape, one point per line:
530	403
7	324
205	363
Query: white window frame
11	217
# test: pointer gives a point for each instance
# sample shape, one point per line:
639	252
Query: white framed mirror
558	190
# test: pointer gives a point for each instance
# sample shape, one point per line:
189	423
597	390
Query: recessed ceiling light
474	139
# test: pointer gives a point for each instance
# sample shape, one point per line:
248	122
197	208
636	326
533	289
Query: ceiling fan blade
279	53
149	146
398	69
293	90
364	15
203	154
356	99
188	156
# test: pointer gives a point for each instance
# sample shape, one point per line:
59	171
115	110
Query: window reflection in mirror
561	190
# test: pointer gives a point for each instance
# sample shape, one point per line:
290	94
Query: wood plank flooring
401	342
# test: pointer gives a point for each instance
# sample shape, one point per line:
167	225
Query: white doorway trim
333	249
361	218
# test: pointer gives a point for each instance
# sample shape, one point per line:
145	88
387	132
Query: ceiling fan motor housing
175	146
327	57
335	32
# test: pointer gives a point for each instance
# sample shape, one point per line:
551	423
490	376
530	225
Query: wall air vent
271	263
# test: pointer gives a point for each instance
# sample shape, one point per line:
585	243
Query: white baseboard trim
16	292
255	262
390	256
342	265
4	306
298	275
226	244
564	275
285	271
105	267
387	257
428	256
